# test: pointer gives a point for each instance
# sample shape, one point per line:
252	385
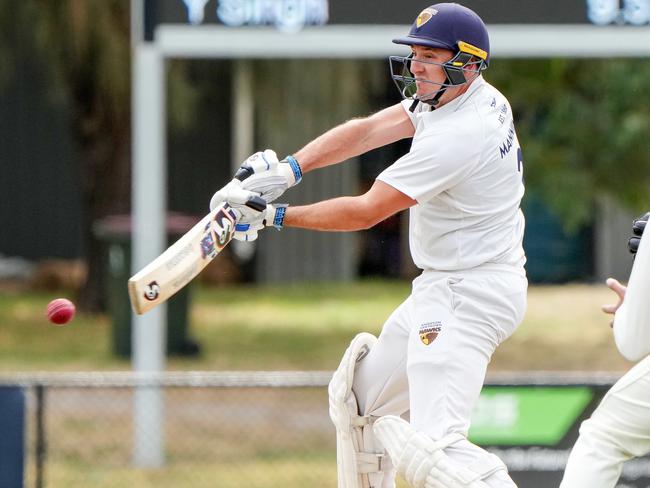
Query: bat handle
243	172
256	203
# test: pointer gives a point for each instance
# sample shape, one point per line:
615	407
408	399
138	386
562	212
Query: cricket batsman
462	184
619	428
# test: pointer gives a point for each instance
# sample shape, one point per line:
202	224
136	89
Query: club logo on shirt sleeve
429	331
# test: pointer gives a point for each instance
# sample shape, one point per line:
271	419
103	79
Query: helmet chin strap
431	101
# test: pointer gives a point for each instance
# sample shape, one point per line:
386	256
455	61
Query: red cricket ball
60	311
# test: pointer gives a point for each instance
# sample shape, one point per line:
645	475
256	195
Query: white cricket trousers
439	379
618	430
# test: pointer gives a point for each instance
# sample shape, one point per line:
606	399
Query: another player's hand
620	290
252	221
638	226
264	174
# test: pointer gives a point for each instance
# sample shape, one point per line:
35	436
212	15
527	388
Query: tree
584	127
88	44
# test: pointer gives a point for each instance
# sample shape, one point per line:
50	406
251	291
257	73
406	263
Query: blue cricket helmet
447	26
450	26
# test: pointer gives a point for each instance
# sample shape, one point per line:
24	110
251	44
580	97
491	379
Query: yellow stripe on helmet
476	51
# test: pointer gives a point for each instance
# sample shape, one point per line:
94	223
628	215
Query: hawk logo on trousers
429	332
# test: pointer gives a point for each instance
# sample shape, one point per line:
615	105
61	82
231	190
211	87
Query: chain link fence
255	429
230	430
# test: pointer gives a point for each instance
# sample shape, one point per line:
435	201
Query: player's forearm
341	214
355	137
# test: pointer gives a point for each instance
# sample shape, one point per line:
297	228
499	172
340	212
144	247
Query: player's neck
457	92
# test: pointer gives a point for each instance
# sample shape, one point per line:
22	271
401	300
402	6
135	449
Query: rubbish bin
115	232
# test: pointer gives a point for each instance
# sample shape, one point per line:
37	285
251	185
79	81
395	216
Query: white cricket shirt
465	171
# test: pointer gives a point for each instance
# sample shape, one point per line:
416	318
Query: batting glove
264	174
235	195
252	221
638	226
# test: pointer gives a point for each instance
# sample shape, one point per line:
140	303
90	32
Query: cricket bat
186	258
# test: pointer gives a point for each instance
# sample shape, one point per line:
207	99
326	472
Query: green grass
254	473
28	341
294	327
304	326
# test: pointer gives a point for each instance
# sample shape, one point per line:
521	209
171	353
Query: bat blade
183	260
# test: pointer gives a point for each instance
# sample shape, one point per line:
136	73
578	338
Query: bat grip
256	203
243	172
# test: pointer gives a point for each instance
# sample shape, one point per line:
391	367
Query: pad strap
368	462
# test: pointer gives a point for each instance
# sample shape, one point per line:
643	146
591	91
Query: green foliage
584	127
87	44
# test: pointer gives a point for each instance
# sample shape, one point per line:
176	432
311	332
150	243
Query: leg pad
423	462
358	465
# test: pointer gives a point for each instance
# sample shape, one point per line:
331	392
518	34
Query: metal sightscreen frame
368	41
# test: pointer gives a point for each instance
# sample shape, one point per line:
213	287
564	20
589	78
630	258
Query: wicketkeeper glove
638	226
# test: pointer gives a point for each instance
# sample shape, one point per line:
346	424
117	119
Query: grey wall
39	183
299	99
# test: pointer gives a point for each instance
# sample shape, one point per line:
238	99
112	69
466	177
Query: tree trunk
106	191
